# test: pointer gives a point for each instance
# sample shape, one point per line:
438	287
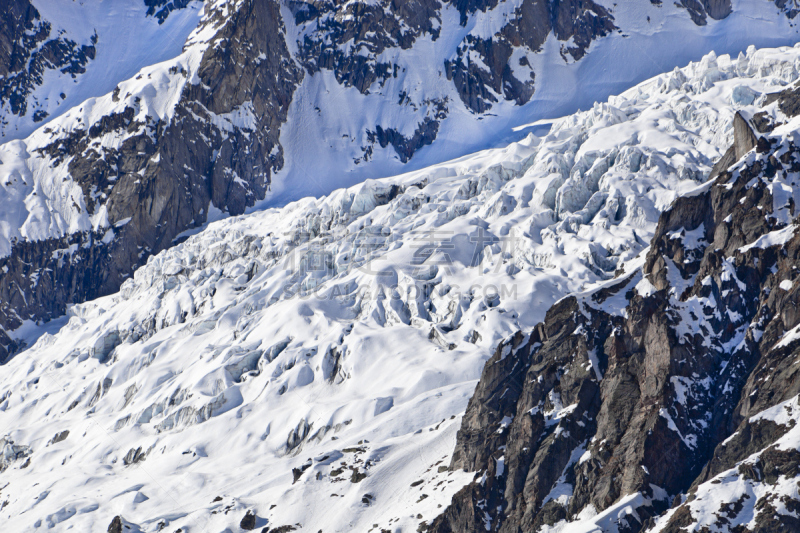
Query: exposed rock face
40	278
700	10
248	523
353	40
116	525
406	146
744	141
373	28
133	456
634	388
28	48
478	82
48	52
790	8
161	9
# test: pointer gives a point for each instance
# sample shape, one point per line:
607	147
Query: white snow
773	238
789	337
608	521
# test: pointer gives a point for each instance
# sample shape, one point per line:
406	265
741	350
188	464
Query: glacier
324	351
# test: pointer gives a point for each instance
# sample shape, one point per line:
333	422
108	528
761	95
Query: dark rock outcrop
58	437
161	9
579	22
406	146
116	525
134	455
28	48
744	141
350	38
39	279
248	523
701	10
347	38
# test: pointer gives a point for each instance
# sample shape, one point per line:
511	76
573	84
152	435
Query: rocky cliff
651	392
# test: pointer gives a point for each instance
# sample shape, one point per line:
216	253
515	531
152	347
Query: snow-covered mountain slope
511	63
325	351
57	54
263	102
